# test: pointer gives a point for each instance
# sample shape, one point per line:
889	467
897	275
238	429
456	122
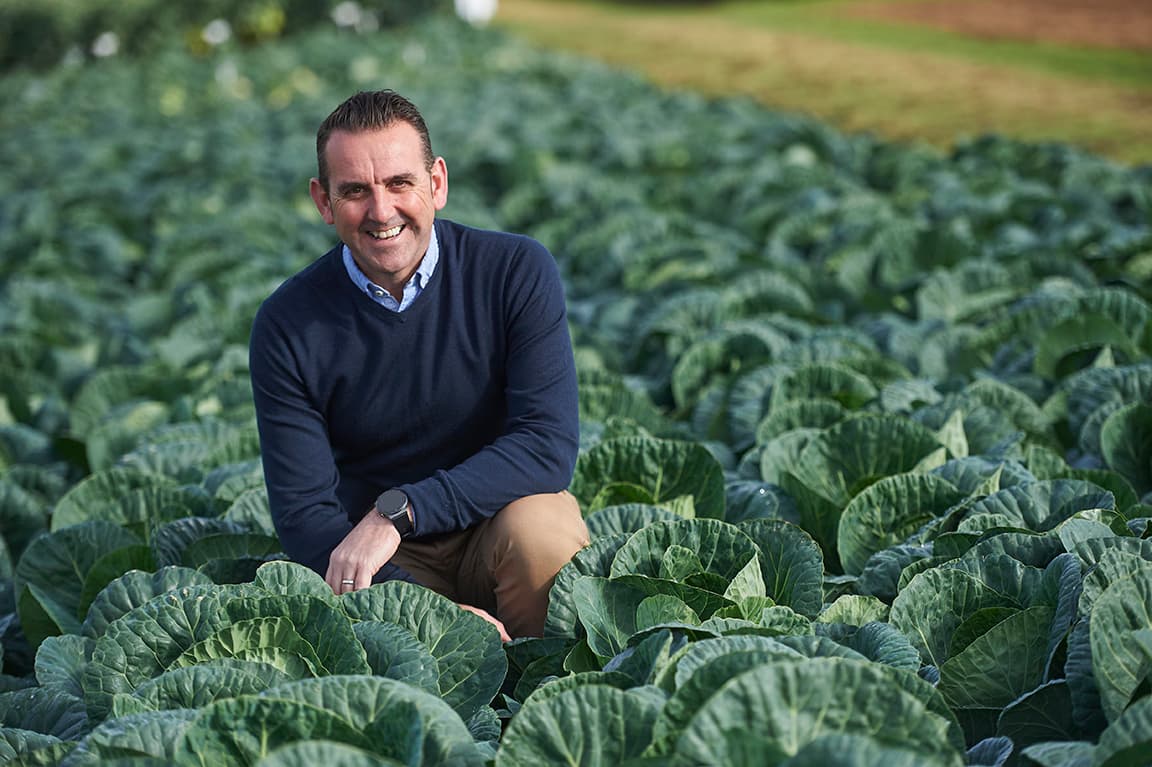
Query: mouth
386	234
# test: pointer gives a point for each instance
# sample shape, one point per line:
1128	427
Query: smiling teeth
387	234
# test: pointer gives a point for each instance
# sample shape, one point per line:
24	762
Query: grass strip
893	92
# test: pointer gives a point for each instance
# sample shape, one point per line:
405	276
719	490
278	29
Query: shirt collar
419	278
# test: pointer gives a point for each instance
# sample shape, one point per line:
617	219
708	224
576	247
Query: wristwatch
393	504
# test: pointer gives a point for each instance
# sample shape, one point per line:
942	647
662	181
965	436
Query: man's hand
488	617
362	553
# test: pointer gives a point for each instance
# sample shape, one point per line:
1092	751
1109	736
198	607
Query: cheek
344	215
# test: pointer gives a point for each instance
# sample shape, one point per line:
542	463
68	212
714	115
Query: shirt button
378	293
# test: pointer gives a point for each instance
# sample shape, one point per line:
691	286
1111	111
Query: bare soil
1123	24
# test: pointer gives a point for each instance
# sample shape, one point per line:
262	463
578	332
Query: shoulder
489	247
302	288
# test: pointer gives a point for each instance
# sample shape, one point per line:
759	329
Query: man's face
382	200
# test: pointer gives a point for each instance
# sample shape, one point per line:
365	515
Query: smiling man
415	387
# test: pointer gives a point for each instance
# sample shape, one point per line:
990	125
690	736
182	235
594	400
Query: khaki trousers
505	564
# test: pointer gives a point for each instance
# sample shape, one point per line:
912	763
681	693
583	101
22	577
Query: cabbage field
866	447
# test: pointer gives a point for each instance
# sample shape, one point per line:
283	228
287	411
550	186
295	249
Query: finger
333	580
338	581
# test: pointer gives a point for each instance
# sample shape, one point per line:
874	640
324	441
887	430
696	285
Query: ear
439	183
322	200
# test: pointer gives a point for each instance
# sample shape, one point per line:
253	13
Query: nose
381	207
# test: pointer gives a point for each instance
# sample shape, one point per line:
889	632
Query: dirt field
1104	23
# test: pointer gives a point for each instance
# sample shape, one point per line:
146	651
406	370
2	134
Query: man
415	387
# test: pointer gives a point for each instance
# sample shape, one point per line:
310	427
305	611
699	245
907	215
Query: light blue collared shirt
413	288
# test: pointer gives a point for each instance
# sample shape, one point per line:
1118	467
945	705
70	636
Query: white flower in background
216	32
347	14
107	44
477	12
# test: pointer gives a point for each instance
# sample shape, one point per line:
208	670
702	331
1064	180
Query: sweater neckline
364	303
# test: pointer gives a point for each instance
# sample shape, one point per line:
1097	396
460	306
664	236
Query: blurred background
922	70
932	70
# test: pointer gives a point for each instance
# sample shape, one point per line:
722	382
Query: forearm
299	469
536	452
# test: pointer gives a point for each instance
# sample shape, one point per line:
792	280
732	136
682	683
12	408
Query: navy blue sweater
466	400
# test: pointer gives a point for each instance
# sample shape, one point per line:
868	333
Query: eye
353	191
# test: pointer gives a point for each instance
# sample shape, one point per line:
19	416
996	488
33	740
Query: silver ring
347	582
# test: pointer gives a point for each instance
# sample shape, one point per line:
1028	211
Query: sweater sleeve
299	469
536	453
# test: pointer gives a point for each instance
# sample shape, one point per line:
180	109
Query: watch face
392	502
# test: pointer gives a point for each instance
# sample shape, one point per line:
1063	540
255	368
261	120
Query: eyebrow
345	187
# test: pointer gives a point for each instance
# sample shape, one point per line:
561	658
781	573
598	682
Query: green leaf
161	630
122	430
879	642
308	753
952	436
394	652
139	501
1127	740
854	610
791	562
607	610
1003	663
783	706
470	658
593	725
60	662
1126	439
148	734
192	687
1062	754
848	457
50	576
863	751
273	640
662	609
1121	623
782	452
594	559
111	566
659	470
1112	565
889	512
1075	335
698	545
625	518
747	584
292	579
844	460
244	730
25	747
133	589
813	414
1038	506
935	603
678	563
1043	714
645	661
48	711
835	382
392	718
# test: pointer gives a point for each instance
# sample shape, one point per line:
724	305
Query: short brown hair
371	110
